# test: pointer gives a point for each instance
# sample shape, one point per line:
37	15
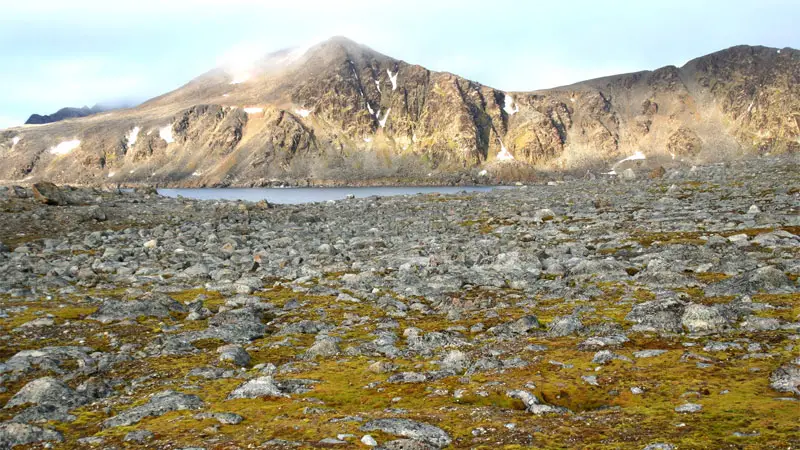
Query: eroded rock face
342	112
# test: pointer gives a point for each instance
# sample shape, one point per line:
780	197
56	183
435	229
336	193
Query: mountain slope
63	113
340	112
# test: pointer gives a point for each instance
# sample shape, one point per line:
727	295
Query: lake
314	194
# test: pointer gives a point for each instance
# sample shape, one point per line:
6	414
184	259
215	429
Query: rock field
652	313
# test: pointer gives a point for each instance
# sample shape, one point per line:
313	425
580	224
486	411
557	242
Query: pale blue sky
59	53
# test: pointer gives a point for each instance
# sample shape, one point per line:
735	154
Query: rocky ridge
342	113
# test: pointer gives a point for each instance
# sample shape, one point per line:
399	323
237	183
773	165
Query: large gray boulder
153	305
786	379
410	429
159	404
14	434
768	280
260	387
660	315
702	319
46	391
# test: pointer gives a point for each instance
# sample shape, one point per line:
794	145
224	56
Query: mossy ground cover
473	409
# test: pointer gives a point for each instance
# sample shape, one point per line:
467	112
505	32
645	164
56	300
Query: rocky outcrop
341	111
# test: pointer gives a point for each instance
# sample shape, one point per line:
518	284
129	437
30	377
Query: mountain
340	112
63	113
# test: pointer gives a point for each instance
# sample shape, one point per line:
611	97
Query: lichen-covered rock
259	387
155	305
16	434
410	429
46	391
786	379
158	405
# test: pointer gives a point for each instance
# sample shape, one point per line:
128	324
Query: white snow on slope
111	174
165	133
369	108
378	85
65	147
504	154
15	141
302	112
635	157
383	122
132	136
254	110
367	139
393	78
240	77
510	108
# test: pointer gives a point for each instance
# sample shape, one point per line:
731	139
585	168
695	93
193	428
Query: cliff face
341	111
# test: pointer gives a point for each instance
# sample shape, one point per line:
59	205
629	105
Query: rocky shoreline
647	313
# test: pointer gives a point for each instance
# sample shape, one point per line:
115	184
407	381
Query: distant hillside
340	112
64	113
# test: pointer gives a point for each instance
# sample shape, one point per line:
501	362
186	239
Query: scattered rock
158	405
410	429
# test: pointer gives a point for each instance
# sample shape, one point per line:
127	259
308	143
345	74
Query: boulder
411	429
16	434
158	405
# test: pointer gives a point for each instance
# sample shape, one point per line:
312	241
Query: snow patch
383	121
302	112
393	78
132	171
254	110
510	108
240	77
111	174
611	173
197	174
482	173
14	141
635	157
367	139
65	147
165	133
132	136
369	108
504	154
378	85
779	50
226	95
